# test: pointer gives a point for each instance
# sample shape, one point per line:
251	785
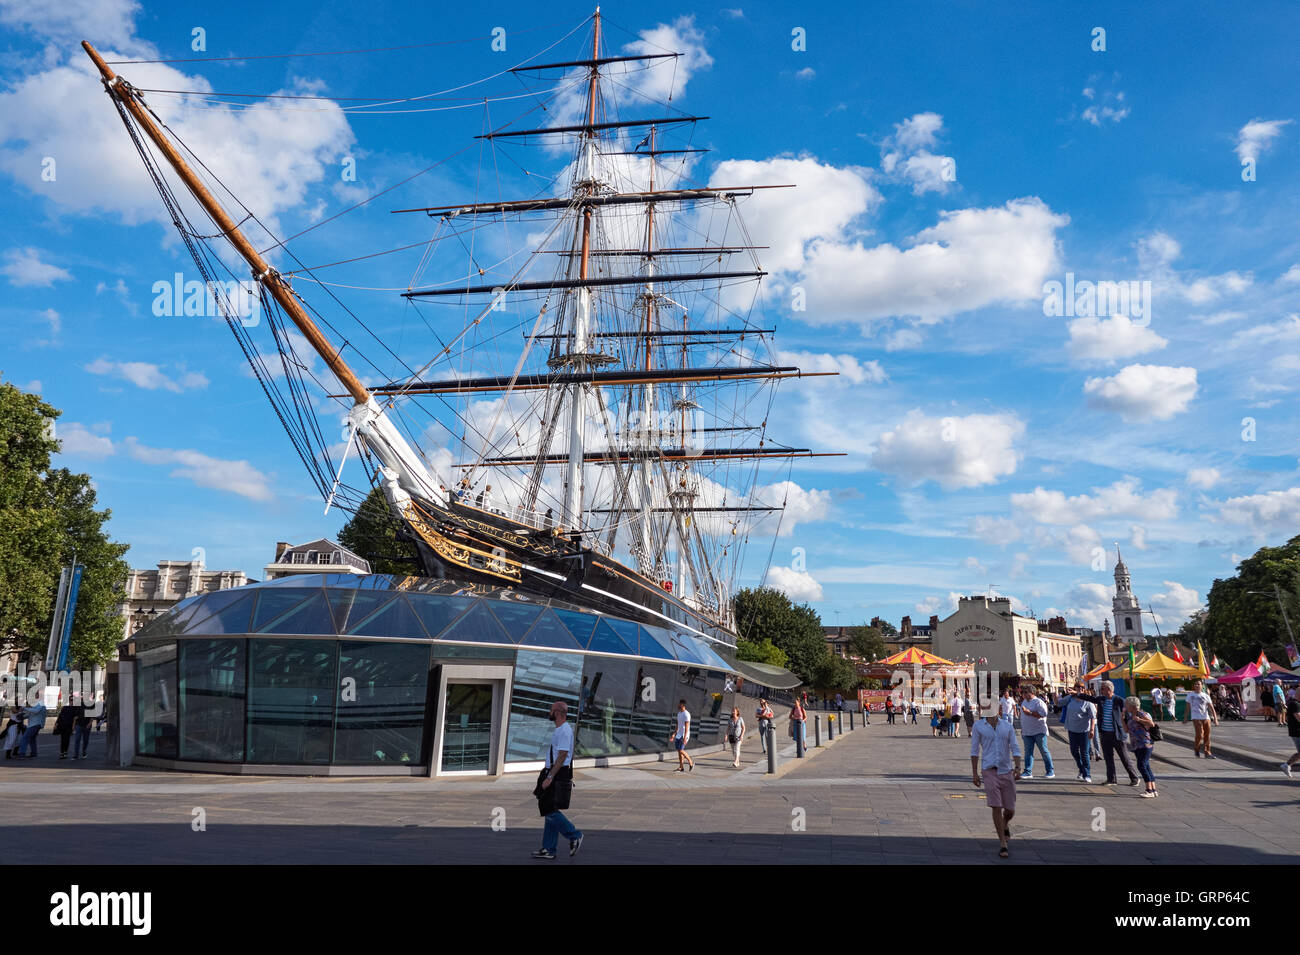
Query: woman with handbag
1140	726
735	734
797	716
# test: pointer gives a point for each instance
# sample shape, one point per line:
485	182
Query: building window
299	558
1128	623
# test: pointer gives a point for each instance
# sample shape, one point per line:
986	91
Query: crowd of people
72	725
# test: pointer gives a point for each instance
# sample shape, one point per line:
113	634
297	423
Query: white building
1127	610
986	632
318	557
148	593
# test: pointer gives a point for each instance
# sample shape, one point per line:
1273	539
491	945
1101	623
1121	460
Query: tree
46	516
835	673
868	642
376	534
764	614
1239	624
765	652
886	628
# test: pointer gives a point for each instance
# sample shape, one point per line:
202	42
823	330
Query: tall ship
588	419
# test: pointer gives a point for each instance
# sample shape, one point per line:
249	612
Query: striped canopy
914	657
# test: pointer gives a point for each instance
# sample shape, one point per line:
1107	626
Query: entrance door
467	728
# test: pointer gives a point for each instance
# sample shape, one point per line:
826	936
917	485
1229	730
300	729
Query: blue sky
952	160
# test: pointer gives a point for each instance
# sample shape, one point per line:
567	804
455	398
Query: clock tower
1128	613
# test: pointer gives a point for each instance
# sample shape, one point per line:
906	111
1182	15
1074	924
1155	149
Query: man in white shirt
1200	708
1157	702
994	765
559	767
1007	706
683	736
1033	726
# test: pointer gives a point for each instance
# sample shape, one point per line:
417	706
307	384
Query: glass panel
609	686
692	686
515	617
605	640
230	618
654	643
212	695
309	616
549	632
653	707
717	708
478	625
291	701
581	624
541	678
381	712
352	606
684	647
435	612
156	699
467	729
395	619
450	650
274	604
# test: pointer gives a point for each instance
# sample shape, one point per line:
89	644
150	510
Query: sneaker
1198	755
574	846
1087	779
1079	776
1050	776
1286	768
1148	795
543	854
1133	781
1026	776
1210	756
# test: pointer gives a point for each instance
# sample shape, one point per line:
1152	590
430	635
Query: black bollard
817	730
771	751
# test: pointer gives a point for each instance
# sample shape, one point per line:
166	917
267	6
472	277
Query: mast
649	565
387	443
573	479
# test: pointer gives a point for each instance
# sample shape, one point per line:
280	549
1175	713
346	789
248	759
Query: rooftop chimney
280	548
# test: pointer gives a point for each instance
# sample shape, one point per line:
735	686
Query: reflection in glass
212	695
156	699
541	678
609	686
653	708
467	728
291	701
381	699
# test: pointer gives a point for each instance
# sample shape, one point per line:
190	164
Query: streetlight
1277	593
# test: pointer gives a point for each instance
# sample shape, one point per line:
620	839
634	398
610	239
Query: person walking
13	731
934	722
764	716
915	711
1033	727
1201	710
735	734
889	711
955	728
995	764
1157	702
1171	704
1080	718
35	716
81	735
1293	731
968	713
681	736
1007	706
797	717
1138	724
64	724
1279	702
1111	730
555	787
945	721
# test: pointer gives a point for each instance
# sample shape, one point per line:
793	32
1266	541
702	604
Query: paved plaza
880	795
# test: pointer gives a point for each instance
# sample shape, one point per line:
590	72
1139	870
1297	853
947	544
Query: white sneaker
1087	779
1079	776
1026	776
1286	768
1050	776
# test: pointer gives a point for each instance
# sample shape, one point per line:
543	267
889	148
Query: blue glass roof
381	605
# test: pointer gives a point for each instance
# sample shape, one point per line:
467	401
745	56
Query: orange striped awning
914	657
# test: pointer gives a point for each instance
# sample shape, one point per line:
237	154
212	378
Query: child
934	722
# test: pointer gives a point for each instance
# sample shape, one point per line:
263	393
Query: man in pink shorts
994	766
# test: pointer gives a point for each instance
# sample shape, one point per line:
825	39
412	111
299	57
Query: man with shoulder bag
555	787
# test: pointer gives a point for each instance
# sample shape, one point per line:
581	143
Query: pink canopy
1249	672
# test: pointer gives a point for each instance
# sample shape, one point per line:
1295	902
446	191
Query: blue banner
68	614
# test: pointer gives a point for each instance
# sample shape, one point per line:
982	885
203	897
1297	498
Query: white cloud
806	73
77	439
1138	536
151	377
55	322
996	530
33	387
1110	108
107	21
237	477
1272	510
26	270
1156	254
798	585
847	366
1257	136
1177	603
1203	477
929	606
1144	392
906	155
1080	544
956	452
801	505
902	339
1292	274
1122	499
1110	339
973	563
665	79
1088	605
267	155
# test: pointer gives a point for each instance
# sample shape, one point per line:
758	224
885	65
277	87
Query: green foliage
887	629
765	652
1237	625
868	642
835	673
766	615
373	532
47	515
